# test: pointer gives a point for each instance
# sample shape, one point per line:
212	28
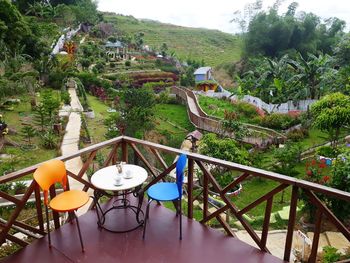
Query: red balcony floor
200	244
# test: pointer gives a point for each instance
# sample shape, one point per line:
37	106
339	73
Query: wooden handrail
155	150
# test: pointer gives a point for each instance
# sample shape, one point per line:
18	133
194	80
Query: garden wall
301	105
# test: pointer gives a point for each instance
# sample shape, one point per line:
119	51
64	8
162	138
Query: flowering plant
315	171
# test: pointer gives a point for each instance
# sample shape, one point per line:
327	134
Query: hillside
213	46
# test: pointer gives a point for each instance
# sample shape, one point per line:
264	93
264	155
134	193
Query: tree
286	159
13	29
29	132
164	49
331	114
224	149
342	51
270	34
138	39
135	113
310	72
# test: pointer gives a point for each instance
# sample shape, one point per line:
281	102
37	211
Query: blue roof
115	45
202	71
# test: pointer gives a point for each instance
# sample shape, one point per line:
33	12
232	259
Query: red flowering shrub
315	171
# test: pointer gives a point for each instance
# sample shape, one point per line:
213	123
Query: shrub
279	121
127	63
327	151
247	109
65	97
99	67
48	140
5	188
341	180
297	135
19	187
330	254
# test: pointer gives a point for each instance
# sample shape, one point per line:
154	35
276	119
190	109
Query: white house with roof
203	73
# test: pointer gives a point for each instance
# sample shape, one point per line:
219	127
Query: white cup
118	180
128	174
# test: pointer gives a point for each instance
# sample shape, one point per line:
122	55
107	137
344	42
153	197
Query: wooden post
205	195
190	188
136	158
124	152
291	223
316	238
39	210
268	209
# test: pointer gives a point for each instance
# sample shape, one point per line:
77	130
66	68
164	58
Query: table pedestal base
119	214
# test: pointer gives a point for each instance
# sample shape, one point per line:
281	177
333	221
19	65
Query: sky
214	14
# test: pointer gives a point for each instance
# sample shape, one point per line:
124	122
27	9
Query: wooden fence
150	156
204	122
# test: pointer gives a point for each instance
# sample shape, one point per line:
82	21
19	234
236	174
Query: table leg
99	212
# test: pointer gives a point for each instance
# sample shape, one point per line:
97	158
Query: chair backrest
180	167
49	173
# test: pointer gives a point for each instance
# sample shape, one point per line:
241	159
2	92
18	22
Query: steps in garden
337	240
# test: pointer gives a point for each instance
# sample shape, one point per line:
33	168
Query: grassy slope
213	46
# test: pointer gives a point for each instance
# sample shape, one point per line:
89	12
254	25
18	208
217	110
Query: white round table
105	180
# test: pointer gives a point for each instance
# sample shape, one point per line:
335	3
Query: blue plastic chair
168	192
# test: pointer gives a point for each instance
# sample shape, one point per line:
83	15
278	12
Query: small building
202	74
116	50
204	79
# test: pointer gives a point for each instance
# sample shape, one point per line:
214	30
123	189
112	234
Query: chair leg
81	239
180	212
146	218
48	224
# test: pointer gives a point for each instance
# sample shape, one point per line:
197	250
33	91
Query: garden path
70	143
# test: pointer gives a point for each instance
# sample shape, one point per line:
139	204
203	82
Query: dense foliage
332	113
273	35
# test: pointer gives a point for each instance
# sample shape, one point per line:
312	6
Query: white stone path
70	143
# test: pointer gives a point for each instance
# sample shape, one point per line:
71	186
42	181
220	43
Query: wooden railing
203	121
150	155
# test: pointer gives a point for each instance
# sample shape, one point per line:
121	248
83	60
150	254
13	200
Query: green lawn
23	114
96	126
217	107
212	46
175	114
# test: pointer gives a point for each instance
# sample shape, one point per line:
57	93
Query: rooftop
116	44
202	70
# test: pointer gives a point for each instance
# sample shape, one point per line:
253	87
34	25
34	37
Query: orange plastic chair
50	173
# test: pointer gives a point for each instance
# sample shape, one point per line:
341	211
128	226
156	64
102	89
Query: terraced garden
213	46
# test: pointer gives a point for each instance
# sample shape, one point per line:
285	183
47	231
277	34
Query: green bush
297	135
48	140
127	63
330	254
279	121
65	97
246	109
341	180
5	188
327	151
19	187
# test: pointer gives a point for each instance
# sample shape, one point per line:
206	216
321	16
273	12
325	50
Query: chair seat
69	201
164	192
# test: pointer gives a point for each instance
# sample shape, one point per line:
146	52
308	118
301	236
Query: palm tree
309	72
